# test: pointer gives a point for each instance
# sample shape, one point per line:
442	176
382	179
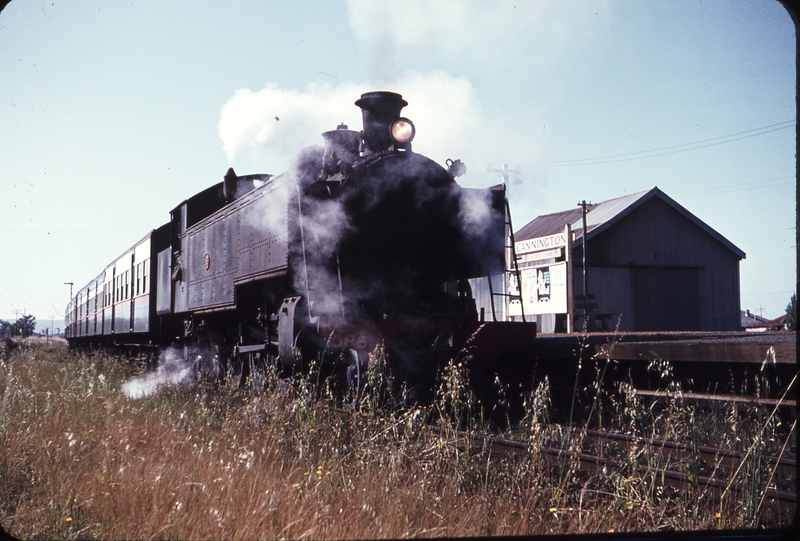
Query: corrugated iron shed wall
653	265
659	271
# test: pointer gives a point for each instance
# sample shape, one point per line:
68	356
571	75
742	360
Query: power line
743	186
771	293
695	145
56	230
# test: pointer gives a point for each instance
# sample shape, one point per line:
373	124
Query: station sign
538	244
539	256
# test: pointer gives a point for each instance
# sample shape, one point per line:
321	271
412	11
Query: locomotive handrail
303	247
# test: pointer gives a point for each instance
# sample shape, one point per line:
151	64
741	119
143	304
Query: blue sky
112	113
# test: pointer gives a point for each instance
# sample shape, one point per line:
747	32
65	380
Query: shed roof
601	216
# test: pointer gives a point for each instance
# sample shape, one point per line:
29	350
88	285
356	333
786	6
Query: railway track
605	452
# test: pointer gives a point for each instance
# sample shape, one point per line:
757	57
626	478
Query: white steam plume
276	123
173	370
450	120
450	117
489	32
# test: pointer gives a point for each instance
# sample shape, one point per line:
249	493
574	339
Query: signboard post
570	293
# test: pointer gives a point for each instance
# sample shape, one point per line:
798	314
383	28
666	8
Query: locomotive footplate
365	335
416	349
486	341
491	340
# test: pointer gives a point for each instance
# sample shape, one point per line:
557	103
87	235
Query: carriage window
145	269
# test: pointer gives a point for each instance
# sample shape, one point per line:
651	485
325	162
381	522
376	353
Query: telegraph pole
587	306
509	235
16	317
504	172
70	284
582	204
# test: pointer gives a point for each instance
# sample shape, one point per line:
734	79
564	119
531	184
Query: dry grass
78	459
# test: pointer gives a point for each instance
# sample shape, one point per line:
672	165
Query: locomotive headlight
403	130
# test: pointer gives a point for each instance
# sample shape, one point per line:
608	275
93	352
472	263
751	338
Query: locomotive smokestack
378	110
229	185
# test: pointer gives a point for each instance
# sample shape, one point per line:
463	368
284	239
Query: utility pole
66	316
16	317
587	306
509	234
504	172
582	204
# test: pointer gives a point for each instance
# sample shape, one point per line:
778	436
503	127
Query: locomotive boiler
361	244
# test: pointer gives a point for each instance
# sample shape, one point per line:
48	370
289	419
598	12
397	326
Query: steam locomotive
362	243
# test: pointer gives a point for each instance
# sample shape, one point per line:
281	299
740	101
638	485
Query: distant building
752	322
748	319
652	265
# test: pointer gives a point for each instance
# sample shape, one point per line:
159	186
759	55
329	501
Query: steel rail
597	464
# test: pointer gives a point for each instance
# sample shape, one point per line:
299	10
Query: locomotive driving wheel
350	376
250	367
201	349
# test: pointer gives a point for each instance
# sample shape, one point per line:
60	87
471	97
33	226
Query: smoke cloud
275	123
325	222
488	31
450	120
173	371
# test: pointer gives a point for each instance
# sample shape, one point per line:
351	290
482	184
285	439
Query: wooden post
570	296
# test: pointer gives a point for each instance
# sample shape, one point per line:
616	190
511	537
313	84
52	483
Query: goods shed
651	265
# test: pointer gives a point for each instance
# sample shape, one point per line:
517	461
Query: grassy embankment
78	459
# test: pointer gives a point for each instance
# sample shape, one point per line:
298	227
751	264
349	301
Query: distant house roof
776	323
601	216
749	319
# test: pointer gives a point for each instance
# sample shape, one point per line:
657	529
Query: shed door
667	299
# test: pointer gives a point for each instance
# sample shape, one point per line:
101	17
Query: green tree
790	322
26	325
6	329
